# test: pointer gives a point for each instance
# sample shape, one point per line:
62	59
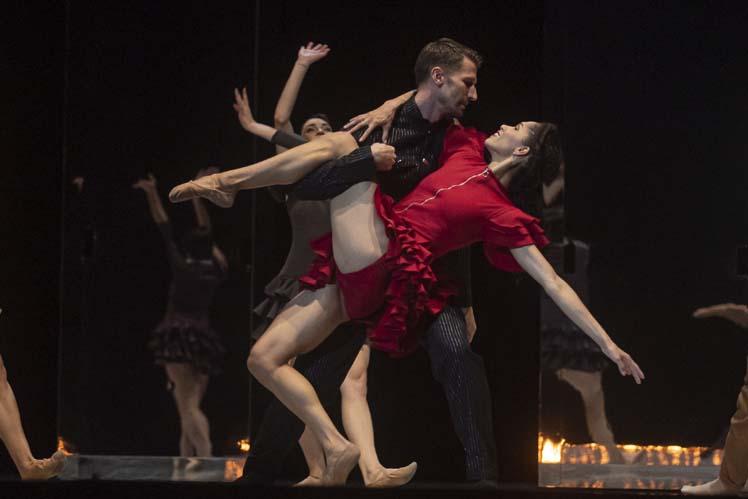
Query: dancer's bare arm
535	264
737	314
307	56
247	119
148	186
379	117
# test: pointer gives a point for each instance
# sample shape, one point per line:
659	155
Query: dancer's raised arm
535	264
307	56
148	186
247	120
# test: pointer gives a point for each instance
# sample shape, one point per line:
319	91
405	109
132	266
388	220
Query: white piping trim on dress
484	173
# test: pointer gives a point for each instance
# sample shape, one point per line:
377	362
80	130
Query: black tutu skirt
187	340
570	349
279	292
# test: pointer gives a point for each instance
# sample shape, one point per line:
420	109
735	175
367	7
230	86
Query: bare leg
186	449
282	169
307	320
11	432
359	428
189	389
589	385
734	471
358	234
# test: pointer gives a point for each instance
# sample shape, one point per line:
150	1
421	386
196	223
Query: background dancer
573	357
184	341
733	471
310	219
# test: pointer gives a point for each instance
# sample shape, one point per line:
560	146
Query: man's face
459	88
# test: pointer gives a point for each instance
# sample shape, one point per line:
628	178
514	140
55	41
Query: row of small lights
552	451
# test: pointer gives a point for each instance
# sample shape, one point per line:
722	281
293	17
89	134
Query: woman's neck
503	170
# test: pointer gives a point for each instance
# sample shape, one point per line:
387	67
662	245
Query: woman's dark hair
541	166
198	243
446	53
321	116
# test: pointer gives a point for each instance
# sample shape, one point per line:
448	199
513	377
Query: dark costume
562	343
184	335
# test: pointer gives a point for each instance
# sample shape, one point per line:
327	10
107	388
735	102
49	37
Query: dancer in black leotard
184	342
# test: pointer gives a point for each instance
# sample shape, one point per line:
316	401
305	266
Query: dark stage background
651	106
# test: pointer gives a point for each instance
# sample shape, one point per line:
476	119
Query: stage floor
227	469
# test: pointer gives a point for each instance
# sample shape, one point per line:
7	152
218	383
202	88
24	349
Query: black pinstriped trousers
461	373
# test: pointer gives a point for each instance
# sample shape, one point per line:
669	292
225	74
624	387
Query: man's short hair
445	53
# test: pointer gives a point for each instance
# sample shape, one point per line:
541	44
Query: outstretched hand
145	184
243	112
730	311
626	365
383	116
312	53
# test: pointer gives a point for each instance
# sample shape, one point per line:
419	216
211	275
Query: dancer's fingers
386	131
357	127
369	129
353	121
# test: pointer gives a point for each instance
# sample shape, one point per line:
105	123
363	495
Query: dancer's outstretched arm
307	56
535	264
247	119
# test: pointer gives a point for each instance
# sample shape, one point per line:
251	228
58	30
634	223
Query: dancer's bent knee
340	143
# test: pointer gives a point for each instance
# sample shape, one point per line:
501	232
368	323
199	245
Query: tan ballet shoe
714	488
44	469
394	477
310	481
339	465
208	187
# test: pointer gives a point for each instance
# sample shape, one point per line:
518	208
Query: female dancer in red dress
383	254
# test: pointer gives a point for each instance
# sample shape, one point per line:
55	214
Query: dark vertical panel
653	112
29	212
151	91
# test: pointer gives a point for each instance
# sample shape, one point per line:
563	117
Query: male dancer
446	76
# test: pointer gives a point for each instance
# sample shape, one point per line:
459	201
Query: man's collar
412	115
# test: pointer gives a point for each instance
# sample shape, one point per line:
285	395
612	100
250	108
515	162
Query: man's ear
437	76
521	151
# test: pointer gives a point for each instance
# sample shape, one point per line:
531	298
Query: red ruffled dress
459	204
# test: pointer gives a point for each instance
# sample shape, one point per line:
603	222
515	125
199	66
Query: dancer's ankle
371	472
26	466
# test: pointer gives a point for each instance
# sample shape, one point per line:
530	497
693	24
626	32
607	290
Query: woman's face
508	138
315	127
